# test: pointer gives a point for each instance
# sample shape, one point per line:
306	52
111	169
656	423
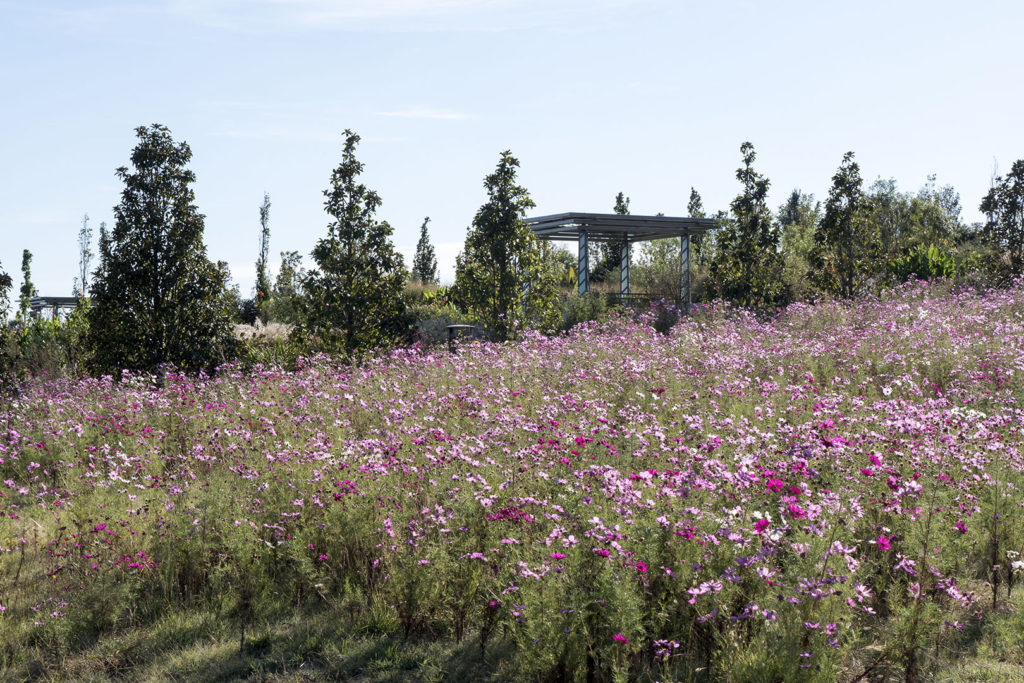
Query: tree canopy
156	297
1004	208
501	276
424	263
353	297
748	265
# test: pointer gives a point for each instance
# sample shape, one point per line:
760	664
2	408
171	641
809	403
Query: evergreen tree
748	265
501	276
262	279
424	263
841	256
28	290
156	297
1004	208
353	299
84	256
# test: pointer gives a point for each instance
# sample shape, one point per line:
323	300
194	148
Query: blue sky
647	97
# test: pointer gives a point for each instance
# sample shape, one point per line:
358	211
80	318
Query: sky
594	97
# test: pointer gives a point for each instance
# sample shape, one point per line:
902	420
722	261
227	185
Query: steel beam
684	273
624	269
583	266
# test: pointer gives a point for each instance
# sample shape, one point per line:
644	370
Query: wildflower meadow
833	493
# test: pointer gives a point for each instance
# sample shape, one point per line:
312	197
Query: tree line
155	297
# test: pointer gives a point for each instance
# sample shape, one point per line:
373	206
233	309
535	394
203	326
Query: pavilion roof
613	227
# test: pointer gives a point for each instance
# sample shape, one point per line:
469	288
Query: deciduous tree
1004	208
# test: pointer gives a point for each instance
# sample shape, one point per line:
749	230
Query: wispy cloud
425	112
395	15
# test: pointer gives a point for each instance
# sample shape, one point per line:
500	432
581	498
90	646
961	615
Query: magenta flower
883	542
760	525
619	638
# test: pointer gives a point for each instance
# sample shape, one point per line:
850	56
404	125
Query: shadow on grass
194	646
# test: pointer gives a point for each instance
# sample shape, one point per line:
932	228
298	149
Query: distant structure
52	307
584	228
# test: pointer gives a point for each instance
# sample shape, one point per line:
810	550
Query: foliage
283	305
85	255
748	266
841	257
609	260
432	312
798	218
583	308
156	297
923	263
5	286
702	245
352	300
901	221
28	290
657	270
424	262
563	265
500	276
1004	209
262	293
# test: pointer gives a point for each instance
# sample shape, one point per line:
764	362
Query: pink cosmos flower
619	638
883	542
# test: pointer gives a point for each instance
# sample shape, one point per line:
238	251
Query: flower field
835	494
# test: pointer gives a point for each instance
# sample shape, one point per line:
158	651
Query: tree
500	276
610	253
798	219
156	297
1003	207
424	263
283	305
701	244
841	256
353	299
262	279
5	286
748	265
28	290
84	256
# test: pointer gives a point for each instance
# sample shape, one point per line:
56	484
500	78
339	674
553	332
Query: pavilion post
583	266
624	269
684	273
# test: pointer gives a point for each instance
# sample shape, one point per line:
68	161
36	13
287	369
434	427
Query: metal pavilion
584	228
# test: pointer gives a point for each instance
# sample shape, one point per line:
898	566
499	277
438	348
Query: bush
577	309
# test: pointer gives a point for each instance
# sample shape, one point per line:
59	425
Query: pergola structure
584	228
52	307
